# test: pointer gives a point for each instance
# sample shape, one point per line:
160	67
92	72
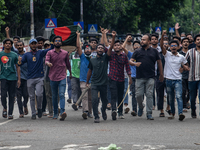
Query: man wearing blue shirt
84	57
35	75
133	76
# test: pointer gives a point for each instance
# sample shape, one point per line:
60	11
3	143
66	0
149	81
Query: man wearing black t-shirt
145	74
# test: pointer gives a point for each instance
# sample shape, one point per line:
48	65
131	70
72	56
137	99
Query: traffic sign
80	24
171	30
158	29
51	23
92	28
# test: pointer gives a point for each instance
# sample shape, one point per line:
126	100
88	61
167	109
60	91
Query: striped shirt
193	57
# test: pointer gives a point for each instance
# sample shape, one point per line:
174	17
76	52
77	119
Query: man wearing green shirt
8	77
75	81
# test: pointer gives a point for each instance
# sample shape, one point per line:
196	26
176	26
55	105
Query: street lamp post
32	19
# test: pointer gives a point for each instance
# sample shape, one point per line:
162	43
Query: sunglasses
173	45
57	40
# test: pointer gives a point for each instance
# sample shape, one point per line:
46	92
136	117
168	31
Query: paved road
131	133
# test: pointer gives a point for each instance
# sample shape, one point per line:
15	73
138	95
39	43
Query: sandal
168	111
162	115
10	117
21	116
4	114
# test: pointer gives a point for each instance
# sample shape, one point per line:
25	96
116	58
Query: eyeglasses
57	40
165	43
173	45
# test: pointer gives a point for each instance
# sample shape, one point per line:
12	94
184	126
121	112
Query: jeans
22	92
175	86
48	96
95	100
69	90
10	87
145	86
54	88
125	89
35	86
76	90
160	86
185	92
117	91
134	102
193	87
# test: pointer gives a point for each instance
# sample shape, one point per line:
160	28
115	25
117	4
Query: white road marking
75	146
7	121
15	147
148	147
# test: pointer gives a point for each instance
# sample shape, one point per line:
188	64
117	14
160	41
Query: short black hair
40	38
155	35
20	42
176	37
185	38
188	34
149	36
121	41
174	41
101	45
4	41
117	41
16	37
198	35
128	34
93	39
55	37
137	41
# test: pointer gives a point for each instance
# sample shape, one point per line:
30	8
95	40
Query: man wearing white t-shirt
172	73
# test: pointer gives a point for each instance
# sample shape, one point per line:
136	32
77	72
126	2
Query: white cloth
172	65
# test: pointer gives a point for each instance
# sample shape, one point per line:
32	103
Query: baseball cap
47	42
32	40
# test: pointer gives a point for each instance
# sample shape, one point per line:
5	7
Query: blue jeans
61	85
193	86
125	89
69	88
175	86
134	102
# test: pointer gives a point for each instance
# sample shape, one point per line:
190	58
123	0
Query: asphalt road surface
131	133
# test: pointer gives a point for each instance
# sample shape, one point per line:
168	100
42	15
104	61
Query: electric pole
32	18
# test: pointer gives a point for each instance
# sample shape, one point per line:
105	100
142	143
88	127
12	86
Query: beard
57	46
88	54
144	45
154	44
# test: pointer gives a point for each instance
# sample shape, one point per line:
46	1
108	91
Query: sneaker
90	115
74	107
149	117
133	113
121	116
140	112
63	116
39	113
10	116
114	114
84	115
104	115
69	101
21	116
4	113
33	117
25	111
181	117
96	120
193	114
126	110
44	114
109	106
171	117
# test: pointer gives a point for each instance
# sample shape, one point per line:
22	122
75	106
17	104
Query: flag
68	34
